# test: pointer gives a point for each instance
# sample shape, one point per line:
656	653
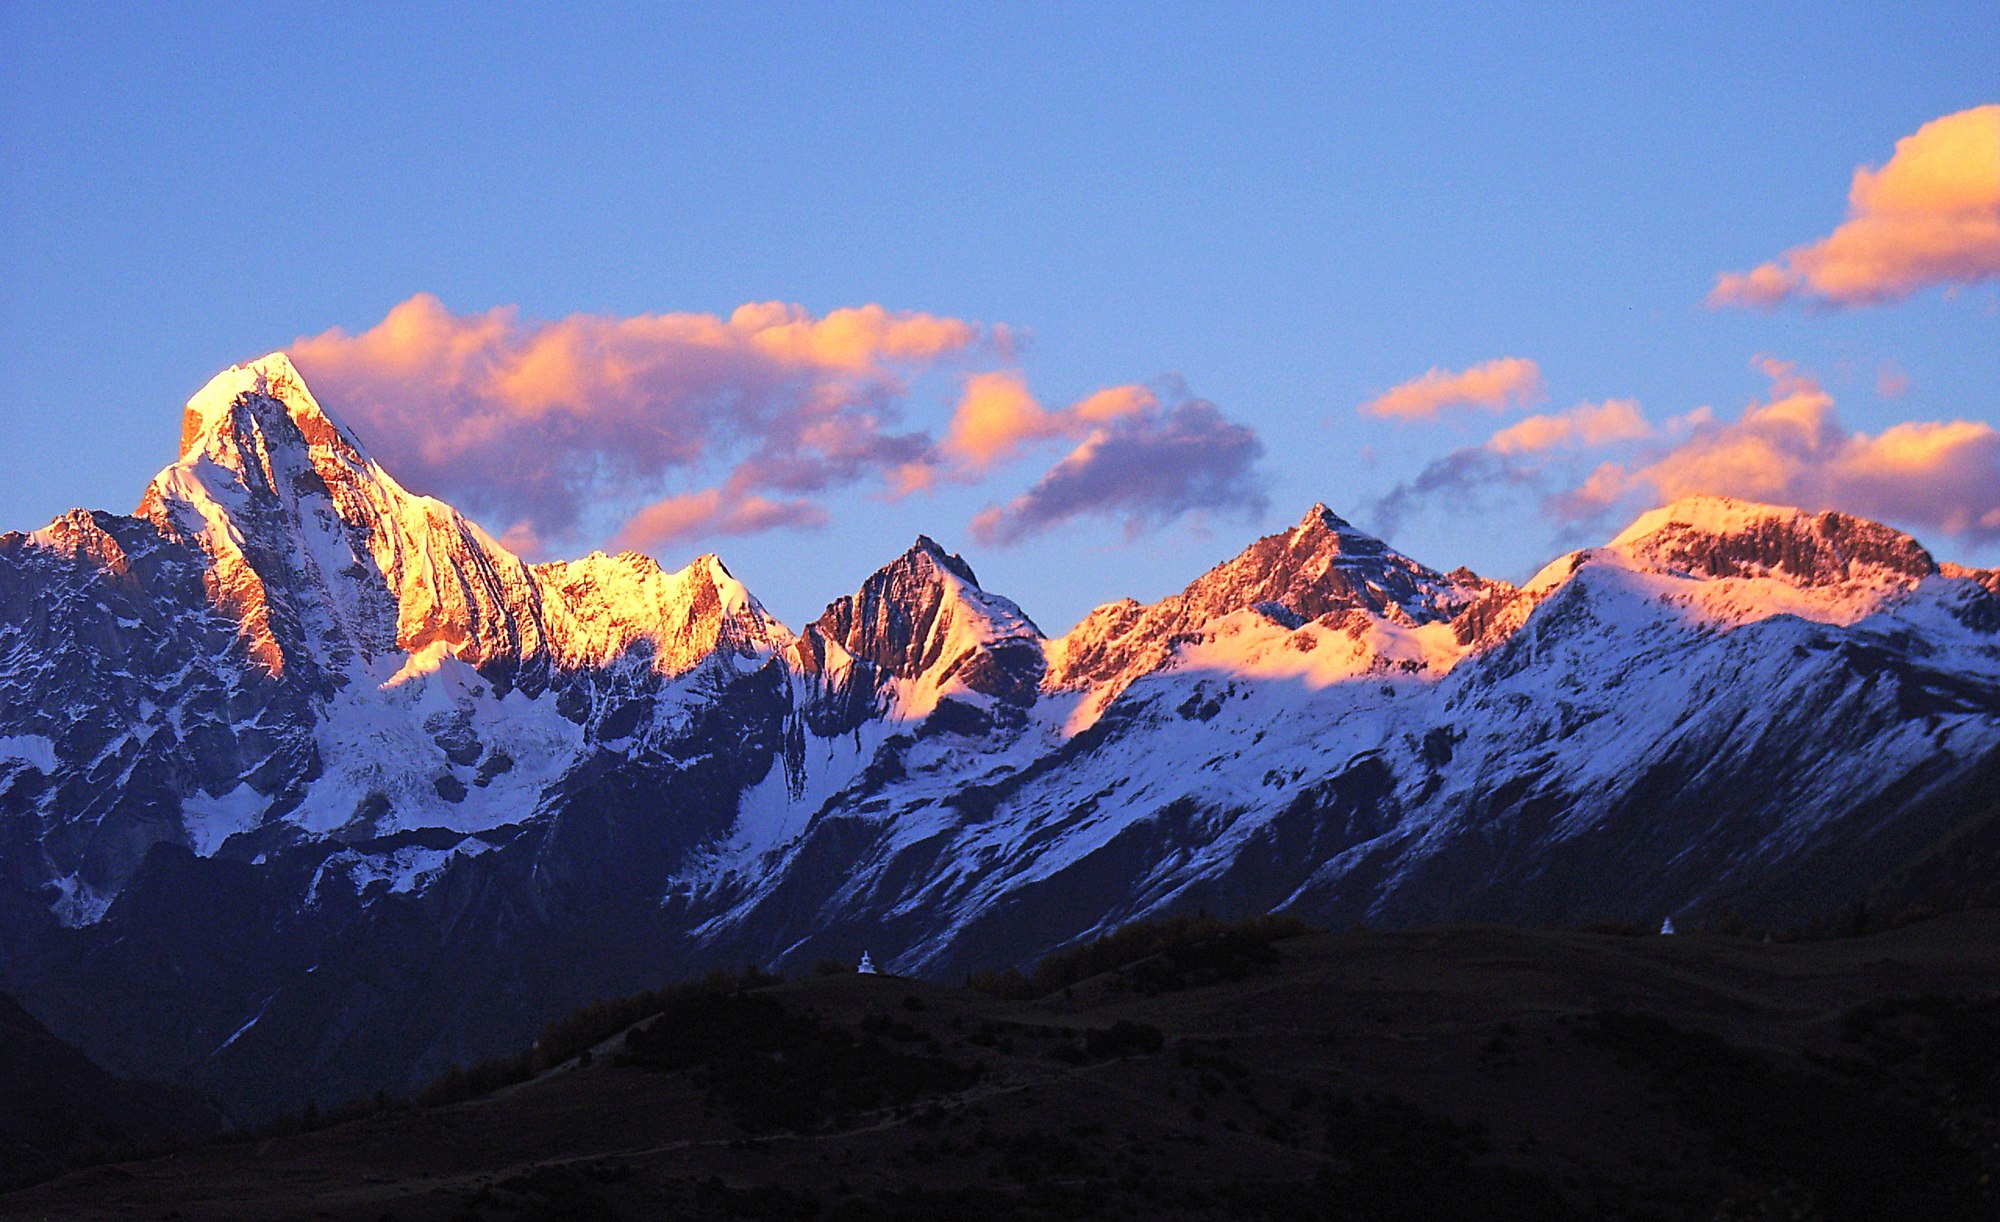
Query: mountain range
311	788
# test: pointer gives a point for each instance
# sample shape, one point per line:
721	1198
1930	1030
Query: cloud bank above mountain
1600	460
1794	449
535	421
539	424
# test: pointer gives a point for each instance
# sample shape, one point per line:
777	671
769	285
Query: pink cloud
1792	449
1890	381
536	422
1929	216
1508	382
996	417
1513	458
1143	462
712	511
1764	287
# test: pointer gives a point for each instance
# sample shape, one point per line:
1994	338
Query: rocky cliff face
1720	538
918	639
310	787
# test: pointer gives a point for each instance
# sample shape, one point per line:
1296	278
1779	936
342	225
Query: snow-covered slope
1727	694
402	796
1323	570
283	642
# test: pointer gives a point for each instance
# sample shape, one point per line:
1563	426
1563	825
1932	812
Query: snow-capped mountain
308	786
920	637
281	643
1322	570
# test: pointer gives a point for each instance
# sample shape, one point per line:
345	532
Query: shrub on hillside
580	1031
1158	956
775	1068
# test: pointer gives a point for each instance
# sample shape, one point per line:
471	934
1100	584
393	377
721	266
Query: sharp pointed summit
1323	530
951	562
920	632
273	381
1320	515
1324	566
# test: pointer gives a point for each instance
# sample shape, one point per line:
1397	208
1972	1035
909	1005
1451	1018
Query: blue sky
1286	211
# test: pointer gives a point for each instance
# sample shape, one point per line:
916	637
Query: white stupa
867	967
1667	926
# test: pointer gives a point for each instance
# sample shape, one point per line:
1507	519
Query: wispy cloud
536	422
1144	462
1516	457
712	512
1507	382
1793	449
1929	216
1890	381
1466	478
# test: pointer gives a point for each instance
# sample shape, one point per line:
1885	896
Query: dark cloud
1145	468
1465	478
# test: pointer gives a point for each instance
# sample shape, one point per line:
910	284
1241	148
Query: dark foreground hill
1463	1072
57	1109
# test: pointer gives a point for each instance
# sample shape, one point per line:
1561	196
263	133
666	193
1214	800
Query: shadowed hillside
1203	1070
58	1110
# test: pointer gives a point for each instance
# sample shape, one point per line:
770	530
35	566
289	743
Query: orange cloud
1930	215
1793	449
855	338
997	418
1508	382
1589	424
1764	287
539	423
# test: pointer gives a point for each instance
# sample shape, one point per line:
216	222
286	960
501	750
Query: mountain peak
272	377
950	562
923	618
1323	566
1719	536
1320	515
1705	512
1322	527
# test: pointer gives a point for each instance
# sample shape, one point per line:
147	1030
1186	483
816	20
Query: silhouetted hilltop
1209	1070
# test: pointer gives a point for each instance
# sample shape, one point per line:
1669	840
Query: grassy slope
1468	1072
